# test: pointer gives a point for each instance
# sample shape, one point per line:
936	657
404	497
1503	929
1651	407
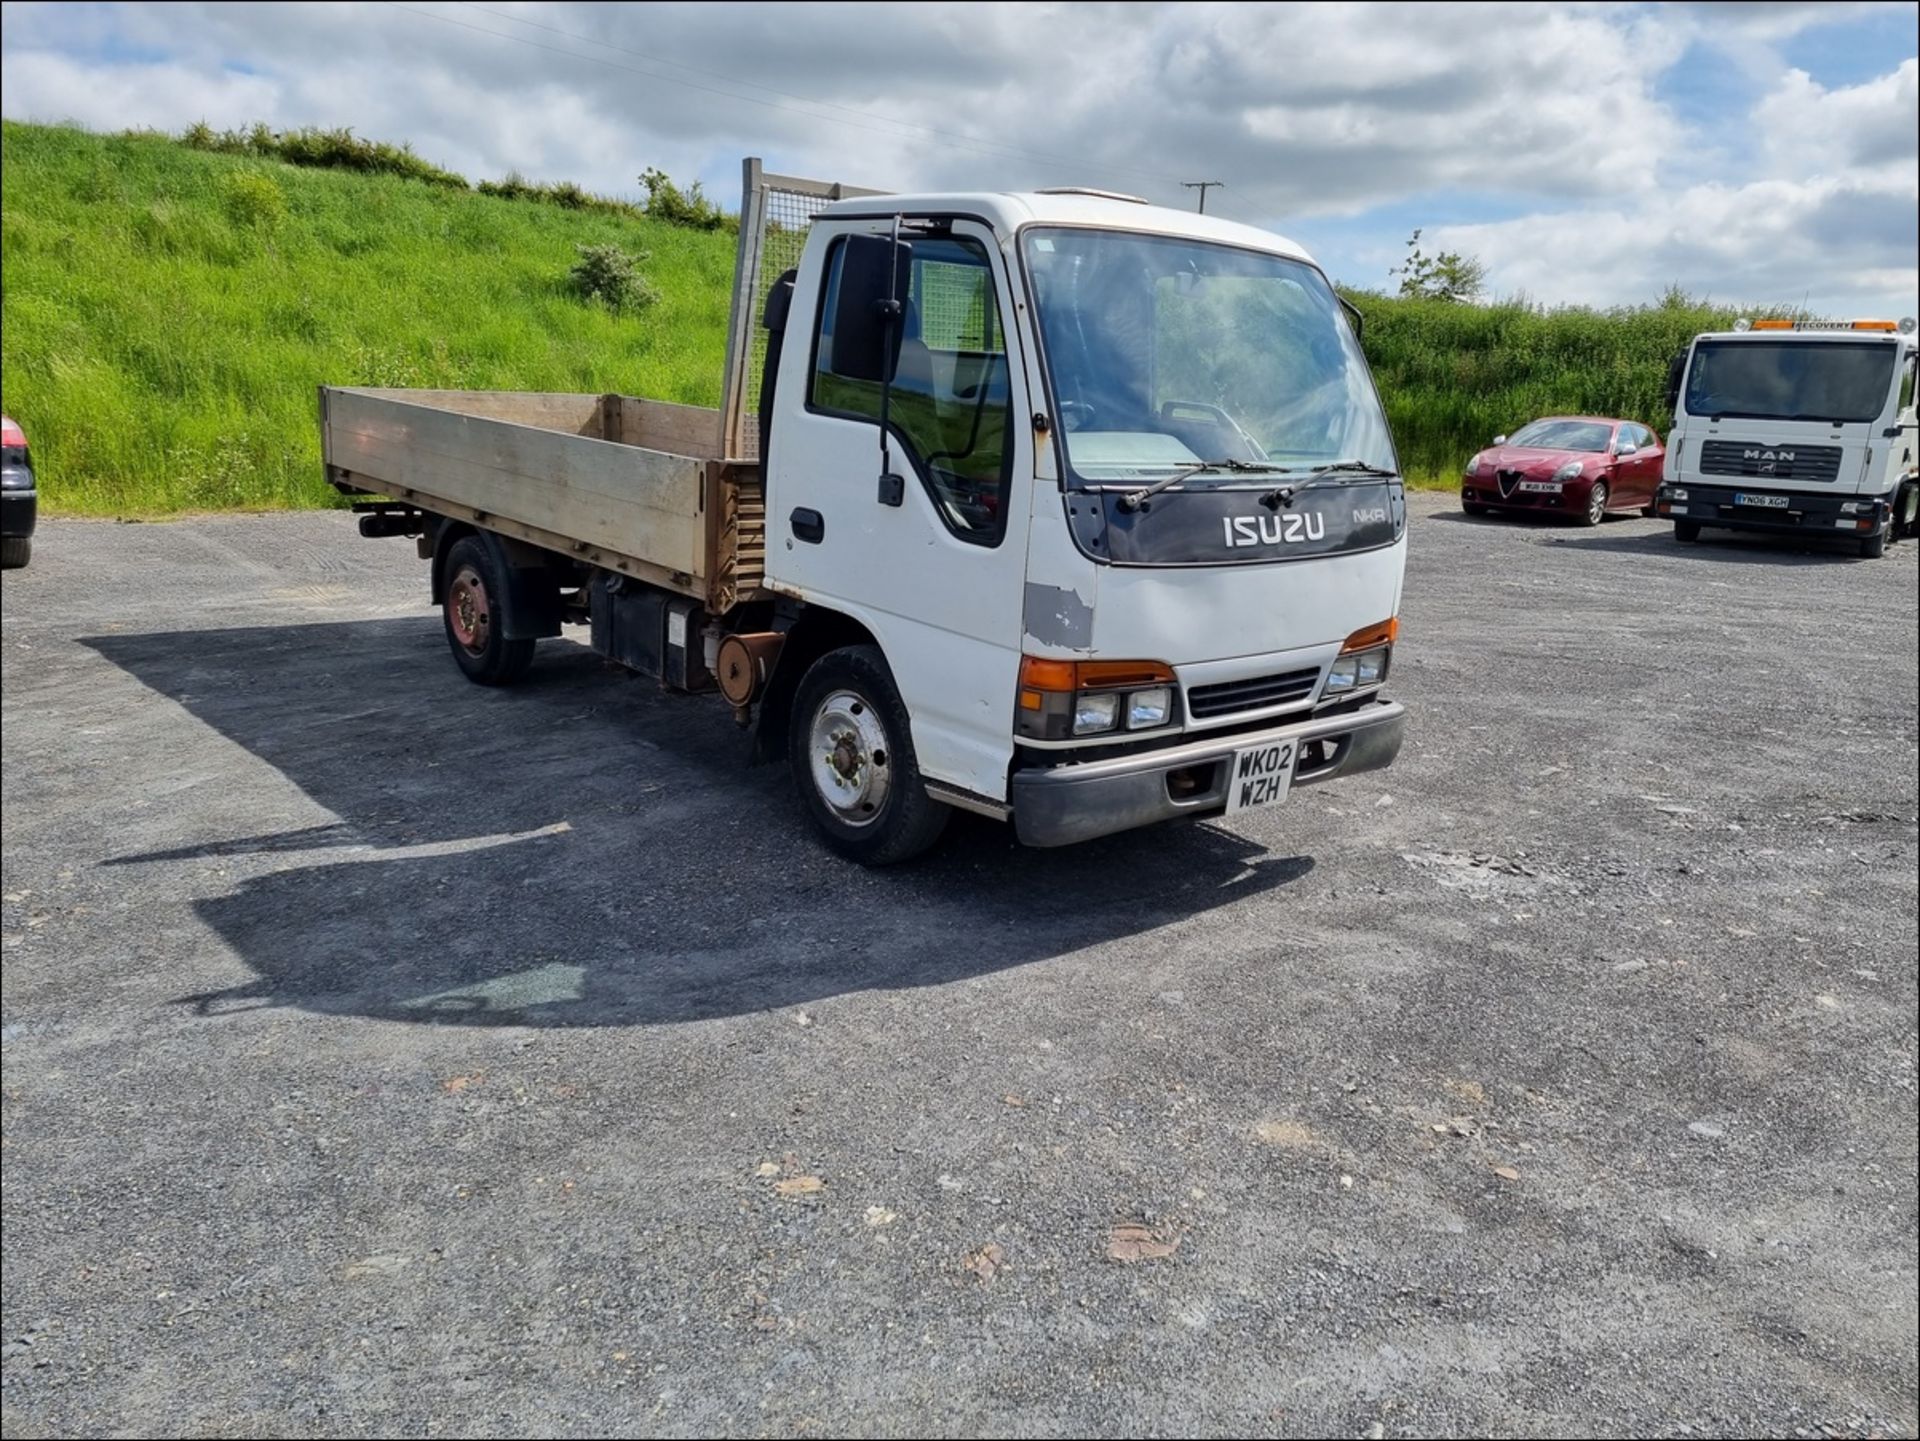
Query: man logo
1754	453
1243	530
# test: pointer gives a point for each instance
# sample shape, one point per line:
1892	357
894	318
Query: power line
990	148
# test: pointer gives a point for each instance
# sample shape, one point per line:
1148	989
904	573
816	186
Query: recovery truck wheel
851	750
15	551
1872	547
1686	531
474	610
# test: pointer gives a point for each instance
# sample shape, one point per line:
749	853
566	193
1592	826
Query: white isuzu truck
1800	427
1058	507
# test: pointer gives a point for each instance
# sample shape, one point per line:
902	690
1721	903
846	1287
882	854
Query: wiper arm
1333	473
1134	499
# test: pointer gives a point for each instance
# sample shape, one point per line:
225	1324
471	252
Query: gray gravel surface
383	1054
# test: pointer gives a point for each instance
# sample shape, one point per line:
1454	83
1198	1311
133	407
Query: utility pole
1203	186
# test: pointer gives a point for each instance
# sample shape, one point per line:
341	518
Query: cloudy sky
1588	153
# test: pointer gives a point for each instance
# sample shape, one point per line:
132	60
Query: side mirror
1675	369
872	268
1499	440
1626	447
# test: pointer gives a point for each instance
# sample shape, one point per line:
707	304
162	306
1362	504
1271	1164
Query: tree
1446	276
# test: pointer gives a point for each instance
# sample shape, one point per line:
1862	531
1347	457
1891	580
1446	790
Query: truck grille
1818	463
1253	693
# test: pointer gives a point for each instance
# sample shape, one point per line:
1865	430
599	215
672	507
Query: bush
337	149
691	208
611	276
253	202
565	194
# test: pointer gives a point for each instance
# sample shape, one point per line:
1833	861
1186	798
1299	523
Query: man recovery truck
1796	427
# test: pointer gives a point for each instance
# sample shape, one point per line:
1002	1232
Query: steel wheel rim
1597	503
850	758
469	616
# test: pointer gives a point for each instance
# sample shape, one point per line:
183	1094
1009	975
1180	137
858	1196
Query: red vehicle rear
1580	466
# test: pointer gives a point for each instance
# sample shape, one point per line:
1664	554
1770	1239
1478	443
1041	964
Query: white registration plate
1747	497
1540	487
1262	776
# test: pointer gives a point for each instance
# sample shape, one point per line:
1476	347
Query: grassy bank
168	313
1454	376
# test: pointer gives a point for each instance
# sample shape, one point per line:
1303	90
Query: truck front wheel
474	610
851	751
1686	531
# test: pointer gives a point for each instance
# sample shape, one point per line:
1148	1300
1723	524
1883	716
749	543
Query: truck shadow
1722	547
587	851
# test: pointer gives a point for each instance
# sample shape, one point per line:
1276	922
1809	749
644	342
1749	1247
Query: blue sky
1588	154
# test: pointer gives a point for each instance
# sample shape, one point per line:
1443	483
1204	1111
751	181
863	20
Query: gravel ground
383	1054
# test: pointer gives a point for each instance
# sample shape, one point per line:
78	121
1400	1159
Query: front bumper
19	509
1079	801
1805	513
1572	496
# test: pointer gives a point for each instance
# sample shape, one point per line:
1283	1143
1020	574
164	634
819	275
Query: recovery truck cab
1059	507
1800	427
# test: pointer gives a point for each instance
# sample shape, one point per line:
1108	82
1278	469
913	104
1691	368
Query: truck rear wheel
851	750
474	611
1686	531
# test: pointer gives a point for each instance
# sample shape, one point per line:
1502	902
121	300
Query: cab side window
951	408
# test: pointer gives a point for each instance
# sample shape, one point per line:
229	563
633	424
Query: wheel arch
813	633
533	599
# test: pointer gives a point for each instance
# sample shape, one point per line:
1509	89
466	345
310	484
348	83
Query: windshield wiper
1334	473
1134	499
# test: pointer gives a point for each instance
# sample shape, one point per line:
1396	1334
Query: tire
474	607
1596	504
1472	508
15	551
850	747
1686	531
1906	511
1649	511
1874	546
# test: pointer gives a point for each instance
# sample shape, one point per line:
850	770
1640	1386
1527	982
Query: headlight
1569	471
1357	671
1149	708
1473	466
1095	713
1061	699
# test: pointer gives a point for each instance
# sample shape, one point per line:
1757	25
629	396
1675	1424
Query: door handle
808	525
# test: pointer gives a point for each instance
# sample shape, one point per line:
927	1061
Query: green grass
168	314
1454	376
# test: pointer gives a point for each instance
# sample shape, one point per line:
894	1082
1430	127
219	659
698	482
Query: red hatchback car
1576	465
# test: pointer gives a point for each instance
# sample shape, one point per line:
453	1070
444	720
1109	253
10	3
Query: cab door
934	567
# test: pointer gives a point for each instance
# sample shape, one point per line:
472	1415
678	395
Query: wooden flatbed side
635	486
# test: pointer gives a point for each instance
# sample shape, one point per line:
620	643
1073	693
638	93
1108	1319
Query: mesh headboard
776	211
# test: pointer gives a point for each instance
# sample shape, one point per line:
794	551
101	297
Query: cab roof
1008	211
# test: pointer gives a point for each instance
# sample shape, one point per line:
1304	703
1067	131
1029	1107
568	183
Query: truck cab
1133	537
1800	427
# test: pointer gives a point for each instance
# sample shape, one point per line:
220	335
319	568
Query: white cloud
1837	228
1824	132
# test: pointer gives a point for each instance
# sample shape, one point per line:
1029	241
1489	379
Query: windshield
1790	380
1563	435
1165	353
